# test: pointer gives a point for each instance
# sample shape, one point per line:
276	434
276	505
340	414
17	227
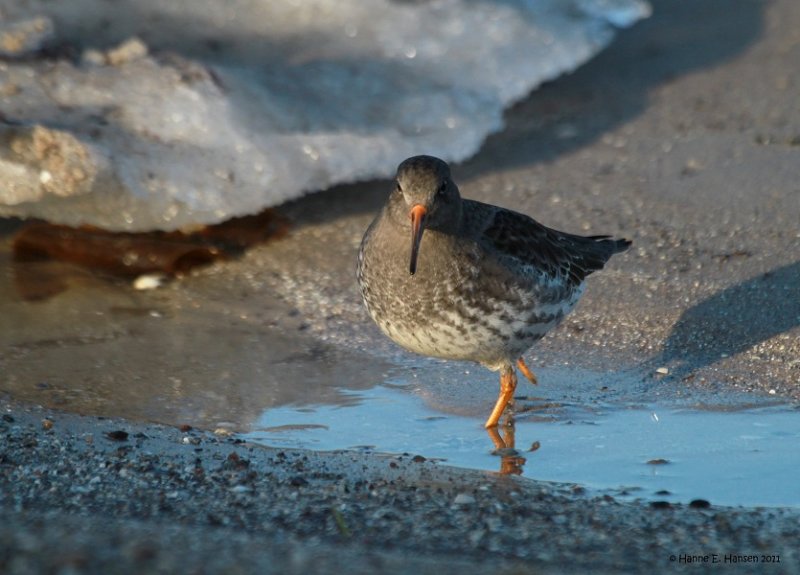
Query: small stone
662	371
149	281
476	536
117	435
298	481
658	461
234	462
25	36
418	459
93	57
699	504
691	167
463	499
130	50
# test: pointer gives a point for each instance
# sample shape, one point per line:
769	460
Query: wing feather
525	244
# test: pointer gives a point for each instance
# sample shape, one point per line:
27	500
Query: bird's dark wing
520	240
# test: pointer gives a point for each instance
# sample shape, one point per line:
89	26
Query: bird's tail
610	245
592	253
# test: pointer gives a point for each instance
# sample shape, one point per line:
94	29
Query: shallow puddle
745	457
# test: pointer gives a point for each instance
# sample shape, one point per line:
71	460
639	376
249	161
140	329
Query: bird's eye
442	188
398	187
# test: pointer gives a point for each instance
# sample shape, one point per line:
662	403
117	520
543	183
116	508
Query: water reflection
511	460
199	354
746	457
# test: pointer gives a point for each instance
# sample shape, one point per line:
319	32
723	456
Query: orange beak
417	227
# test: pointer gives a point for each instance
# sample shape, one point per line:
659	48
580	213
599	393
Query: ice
142	114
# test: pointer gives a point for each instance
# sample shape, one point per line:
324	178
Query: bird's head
425	198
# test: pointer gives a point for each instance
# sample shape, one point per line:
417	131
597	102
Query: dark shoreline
78	494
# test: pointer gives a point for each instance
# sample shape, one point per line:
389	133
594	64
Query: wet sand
682	136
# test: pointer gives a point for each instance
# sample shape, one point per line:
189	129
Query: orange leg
526	371
508	383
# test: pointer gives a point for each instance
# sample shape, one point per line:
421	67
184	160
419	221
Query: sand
683	136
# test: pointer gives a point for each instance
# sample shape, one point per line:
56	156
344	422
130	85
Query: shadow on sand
733	321
615	86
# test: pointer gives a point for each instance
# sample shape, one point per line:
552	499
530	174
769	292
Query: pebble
24	37
117	435
149	281
92	57
298	481
130	50
463	499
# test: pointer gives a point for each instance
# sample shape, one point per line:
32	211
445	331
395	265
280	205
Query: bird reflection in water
511	461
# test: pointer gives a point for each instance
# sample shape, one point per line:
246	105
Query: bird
459	279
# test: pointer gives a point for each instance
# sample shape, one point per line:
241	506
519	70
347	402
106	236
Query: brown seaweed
130	254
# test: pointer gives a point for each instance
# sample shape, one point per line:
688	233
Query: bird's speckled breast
461	304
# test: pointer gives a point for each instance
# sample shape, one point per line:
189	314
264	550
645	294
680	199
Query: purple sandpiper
459	279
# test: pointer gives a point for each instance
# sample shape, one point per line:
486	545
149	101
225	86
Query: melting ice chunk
227	108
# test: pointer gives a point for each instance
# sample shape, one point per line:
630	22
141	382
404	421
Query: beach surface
684	136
